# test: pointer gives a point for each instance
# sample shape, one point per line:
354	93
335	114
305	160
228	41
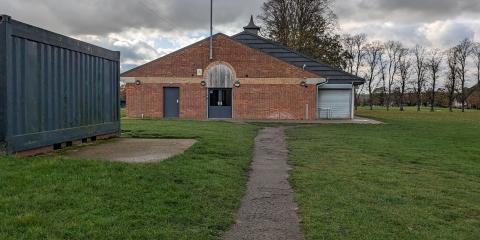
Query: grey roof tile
283	53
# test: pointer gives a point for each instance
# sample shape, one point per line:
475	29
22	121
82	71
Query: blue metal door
171	102
220	103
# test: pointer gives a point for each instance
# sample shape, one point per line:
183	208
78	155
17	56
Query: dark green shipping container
54	89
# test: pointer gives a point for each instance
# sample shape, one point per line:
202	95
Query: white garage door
334	104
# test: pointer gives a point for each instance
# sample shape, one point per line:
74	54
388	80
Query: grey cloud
406	10
448	33
408	34
429	22
131	54
100	17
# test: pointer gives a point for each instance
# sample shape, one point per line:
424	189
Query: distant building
473	99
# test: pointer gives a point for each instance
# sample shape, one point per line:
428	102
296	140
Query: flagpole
211	29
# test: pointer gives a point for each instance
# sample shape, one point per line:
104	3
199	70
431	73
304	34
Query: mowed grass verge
191	196
416	177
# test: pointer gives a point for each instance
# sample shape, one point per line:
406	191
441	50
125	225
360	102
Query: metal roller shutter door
334	104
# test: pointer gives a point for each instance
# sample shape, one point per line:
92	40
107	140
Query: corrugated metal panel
3	80
57	89
334	103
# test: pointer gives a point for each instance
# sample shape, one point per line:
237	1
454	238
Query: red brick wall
250	101
268	101
147	99
245	61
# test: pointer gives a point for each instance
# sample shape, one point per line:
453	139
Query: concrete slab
356	120
133	150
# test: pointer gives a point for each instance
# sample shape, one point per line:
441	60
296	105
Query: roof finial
251	27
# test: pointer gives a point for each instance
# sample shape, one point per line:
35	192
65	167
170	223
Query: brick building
473	99
248	77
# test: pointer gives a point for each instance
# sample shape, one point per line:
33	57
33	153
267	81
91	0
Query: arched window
220	76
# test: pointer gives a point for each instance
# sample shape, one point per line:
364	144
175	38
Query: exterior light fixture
203	83
137	82
303	84
237	84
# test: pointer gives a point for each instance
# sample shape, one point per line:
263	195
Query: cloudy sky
146	29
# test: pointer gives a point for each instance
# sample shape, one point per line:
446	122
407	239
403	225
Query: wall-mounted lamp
303	84
137	82
203	83
237	84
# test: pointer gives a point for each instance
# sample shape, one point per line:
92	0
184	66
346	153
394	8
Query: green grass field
416	177
191	196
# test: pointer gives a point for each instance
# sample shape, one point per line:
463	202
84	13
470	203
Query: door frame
208	102
164	102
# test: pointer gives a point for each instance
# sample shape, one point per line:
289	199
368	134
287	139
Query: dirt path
268	210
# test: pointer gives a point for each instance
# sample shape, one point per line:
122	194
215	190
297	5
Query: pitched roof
276	50
334	75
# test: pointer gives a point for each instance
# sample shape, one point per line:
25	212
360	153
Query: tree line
392	71
401	73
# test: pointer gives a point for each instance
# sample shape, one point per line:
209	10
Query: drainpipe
318	89
352	108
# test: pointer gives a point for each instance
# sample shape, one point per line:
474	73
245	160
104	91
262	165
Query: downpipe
316	97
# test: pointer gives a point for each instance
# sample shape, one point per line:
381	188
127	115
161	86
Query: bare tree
383	75
433	63
359	42
464	51
392	50
347	42
373	55
420	69
355	51
404	65
452	58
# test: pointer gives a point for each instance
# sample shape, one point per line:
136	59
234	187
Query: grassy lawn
416	177
191	196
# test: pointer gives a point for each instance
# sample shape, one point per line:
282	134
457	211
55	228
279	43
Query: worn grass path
268	210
